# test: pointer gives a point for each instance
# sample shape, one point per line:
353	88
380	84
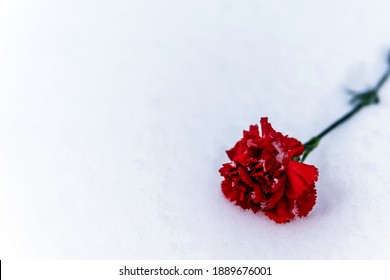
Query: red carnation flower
267	173
263	176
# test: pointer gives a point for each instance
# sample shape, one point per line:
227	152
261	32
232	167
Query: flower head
262	175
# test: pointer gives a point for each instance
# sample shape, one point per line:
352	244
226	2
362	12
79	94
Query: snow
281	155
115	117
251	143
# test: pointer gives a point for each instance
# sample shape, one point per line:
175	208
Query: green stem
360	100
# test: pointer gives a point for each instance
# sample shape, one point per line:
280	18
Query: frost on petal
281	154
286	147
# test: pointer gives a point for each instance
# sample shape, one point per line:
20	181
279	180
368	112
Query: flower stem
359	100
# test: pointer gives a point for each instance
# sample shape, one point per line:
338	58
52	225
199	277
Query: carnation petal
306	202
282	213
257	195
253	132
235	193
246	178
307	172
296	185
296	148
266	128
233	152
275	198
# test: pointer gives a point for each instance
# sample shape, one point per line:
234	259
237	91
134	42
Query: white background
115	117
110	269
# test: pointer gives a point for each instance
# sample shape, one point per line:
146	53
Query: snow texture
115	117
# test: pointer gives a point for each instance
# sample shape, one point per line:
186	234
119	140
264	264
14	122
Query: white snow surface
115	117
